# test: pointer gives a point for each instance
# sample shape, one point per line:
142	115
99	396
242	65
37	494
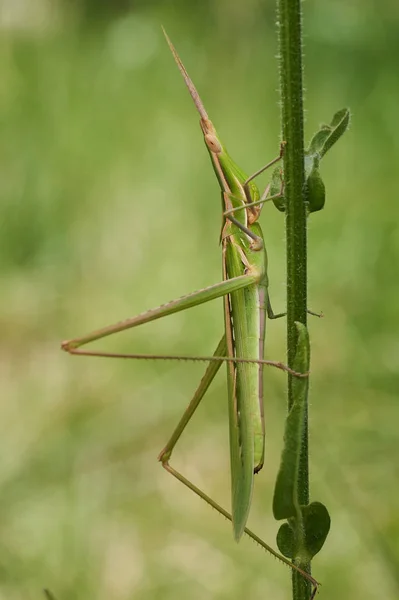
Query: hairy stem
291	91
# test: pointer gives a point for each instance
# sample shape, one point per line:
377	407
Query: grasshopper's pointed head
187	80
228	173
210	136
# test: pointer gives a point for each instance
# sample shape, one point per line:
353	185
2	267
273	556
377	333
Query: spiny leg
212	292
179	304
214	359
165	456
166	453
210	373
315	584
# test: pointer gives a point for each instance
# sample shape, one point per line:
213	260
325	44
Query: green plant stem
291	90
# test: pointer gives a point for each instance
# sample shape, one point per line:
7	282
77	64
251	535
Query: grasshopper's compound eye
212	143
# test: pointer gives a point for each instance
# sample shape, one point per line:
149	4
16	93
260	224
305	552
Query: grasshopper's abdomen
245	319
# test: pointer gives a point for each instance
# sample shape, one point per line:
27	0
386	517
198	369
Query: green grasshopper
246	302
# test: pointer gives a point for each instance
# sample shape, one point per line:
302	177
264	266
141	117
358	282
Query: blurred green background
109	206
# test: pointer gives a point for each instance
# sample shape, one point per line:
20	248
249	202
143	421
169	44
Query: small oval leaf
315	190
316	523
285	540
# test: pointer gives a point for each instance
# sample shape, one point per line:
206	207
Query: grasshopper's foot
315	314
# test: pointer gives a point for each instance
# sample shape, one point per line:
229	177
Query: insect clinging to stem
244	290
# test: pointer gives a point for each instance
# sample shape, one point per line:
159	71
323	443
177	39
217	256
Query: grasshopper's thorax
231	177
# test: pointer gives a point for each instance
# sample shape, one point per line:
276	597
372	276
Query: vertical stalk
291	91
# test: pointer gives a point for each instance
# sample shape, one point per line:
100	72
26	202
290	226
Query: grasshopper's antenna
191	87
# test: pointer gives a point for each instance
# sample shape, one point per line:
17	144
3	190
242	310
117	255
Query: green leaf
285	502
315	189
320	143
306	541
286	540
307	528
316	524
328	135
